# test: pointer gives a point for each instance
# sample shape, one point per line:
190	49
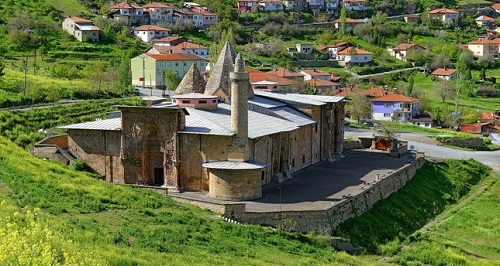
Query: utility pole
25	69
143	71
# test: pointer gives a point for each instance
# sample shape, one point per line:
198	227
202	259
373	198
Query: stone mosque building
219	137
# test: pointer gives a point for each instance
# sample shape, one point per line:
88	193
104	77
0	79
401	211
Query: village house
349	23
496	7
411	18
484	47
288	74
209	18
315	74
248	5
485	21
378	92
444	73
304	48
395	107
333	49
149	32
269	82
81	29
204	143
358	5
354	56
159	12
148	69
188	17
130	13
401	51
295	5
168	41
323	87
270	5
180	48
422	120
447	16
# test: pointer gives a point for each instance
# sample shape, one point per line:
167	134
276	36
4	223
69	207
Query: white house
358	5
130	13
349	23
188	16
82	29
208	18
148	32
304	48
354	56
315	74
295	4
444	73
402	50
159	12
316	4
331	4
496	7
270	5
333	49
445	15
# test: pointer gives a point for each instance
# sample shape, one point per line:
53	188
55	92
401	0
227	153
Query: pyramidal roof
219	78
191	82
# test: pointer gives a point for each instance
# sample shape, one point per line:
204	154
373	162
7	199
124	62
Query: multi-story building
159	12
447	16
359	5
209	18
395	107
188	16
354	56
81	29
130	13
149	32
402	50
484	47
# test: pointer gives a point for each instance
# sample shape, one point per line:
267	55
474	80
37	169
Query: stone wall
352	144
60	141
465	143
327	220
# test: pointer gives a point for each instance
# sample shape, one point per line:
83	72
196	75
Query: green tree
96	74
2	69
343	18
325	38
124	73
411	83
482	74
444	90
359	107
170	79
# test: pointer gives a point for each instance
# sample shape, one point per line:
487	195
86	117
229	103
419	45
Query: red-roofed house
169	41
180	48
209	18
349	23
444	73
159	12
401	51
411	18
354	56
333	49
496	7
377	92
82	29
288	74
148	69
323	86
269	82
483	129
148	32
315	74
484	47
395	107
130	13
484	21
445	15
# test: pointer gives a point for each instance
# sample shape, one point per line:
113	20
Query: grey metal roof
113	124
293	115
197	123
321	98
194	95
290	98
248	165
264	102
219	122
152	98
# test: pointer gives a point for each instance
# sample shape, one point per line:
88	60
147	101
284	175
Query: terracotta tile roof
348	51
249	70
412	15
190	45
125	5
489	116
377	92
79	20
484	42
156	4
315	72
335	79
167	39
203	11
474	128
485	18
283	72
405	46
257	77
443	11
496	6
443	72
151	27
348	20
176	57
346	91
395	97
321	83
323	47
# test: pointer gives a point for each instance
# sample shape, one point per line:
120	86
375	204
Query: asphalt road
421	142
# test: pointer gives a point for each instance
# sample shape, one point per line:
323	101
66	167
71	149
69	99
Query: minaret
239	110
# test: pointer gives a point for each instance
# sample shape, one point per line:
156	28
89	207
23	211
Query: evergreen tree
124	73
343	18
482	74
411	83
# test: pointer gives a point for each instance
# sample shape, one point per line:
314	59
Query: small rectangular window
186	101
387	115
303	158
202	101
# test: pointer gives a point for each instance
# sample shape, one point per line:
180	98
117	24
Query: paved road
421	142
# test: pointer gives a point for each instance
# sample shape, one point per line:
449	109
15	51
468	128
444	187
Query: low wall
60	140
348	208
352	144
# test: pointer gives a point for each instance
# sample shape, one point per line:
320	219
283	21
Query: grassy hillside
128	226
